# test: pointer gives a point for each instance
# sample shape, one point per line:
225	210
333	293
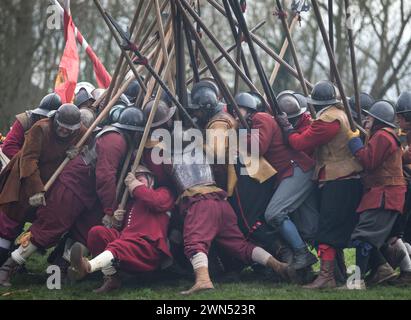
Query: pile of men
319	187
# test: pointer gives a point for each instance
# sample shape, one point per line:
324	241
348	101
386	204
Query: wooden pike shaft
333	63
265	47
221	56
281	14
283	51
353	63
147	129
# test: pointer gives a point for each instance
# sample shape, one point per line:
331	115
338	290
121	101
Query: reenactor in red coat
294	187
24	121
209	217
139	244
384	188
22	181
89	178
337	173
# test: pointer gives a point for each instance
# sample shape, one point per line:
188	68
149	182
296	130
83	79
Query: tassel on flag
69	65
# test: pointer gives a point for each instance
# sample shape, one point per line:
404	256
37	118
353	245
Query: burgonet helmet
324	93
68	116
289	104
83	97
131	119
403	104
49	103
366	101
163	113
132	91
383	111
246	100
204	95
87	117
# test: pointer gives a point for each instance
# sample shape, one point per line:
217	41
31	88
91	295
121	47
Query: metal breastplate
187	175
89	155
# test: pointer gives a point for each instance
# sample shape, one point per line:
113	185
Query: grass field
33	286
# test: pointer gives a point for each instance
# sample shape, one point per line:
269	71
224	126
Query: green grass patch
32	286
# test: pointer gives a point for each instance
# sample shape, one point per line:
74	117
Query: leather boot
403	280
340	271
282	252
393	255
303	258
383	274
326	277
278	267
203	281
110	283
79	266
6	272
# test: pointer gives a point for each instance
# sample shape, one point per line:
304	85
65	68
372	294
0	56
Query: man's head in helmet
49	103
83	98
324	94
145	176
132	91
246	103
204	102
87	117
66	121
131	120
403	110
163	117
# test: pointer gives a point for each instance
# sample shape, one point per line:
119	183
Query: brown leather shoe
79	266
280	268
383	274
110	283
325	279
6	272
403	280
203	281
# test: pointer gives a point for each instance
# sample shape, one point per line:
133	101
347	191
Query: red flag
69	65
103	78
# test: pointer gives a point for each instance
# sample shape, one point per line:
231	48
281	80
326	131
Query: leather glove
37	200
118	218
107	221
355	134
283	122
72	152
131	182
286	127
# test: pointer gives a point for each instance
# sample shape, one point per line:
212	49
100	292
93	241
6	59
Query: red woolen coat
379	148
14	140
274	150
149	217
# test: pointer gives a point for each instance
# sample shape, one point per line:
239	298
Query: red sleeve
378	149
160	200
265	125
111	149
303	123
317	134
162	178
14	140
